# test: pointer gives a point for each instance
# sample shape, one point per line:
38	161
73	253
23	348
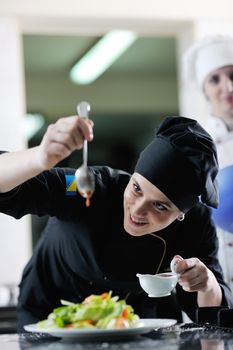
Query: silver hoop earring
181	217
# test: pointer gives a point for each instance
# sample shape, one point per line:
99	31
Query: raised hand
62	138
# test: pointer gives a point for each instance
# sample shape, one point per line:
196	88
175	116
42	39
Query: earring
181	217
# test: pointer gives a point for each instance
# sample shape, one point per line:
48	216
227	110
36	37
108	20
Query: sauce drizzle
87	195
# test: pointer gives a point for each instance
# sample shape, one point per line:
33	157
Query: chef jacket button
105	278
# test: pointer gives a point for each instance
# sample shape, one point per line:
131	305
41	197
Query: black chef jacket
86	250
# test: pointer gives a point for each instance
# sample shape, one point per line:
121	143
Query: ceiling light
101	56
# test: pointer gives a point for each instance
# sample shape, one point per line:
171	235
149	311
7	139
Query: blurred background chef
209	65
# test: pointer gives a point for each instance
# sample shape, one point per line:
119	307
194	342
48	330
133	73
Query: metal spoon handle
83	110
85	153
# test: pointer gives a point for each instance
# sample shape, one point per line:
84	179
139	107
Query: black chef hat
182	162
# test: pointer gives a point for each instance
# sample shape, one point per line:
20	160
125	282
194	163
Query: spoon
84	178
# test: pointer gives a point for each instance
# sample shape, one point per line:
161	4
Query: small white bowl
159	285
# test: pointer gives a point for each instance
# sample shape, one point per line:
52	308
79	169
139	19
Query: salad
96	311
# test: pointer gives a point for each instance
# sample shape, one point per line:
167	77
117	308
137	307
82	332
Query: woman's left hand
194	275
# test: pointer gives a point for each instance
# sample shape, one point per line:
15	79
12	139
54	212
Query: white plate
144	326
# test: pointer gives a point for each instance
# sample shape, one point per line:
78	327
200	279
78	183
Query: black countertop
179	337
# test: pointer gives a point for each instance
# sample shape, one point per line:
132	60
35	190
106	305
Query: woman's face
218	88
146	208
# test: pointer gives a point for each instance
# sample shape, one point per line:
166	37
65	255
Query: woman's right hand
62	138
59	141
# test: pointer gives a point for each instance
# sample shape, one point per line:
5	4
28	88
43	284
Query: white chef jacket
223	138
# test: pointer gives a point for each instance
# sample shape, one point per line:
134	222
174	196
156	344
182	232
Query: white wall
14	235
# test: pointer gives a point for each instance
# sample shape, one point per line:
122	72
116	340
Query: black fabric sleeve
46	193
40	195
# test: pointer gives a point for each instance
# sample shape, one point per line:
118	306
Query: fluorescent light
31	124
101	56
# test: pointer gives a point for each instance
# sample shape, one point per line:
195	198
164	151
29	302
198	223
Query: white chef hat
207	55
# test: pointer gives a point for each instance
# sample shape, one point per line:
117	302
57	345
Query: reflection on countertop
179	337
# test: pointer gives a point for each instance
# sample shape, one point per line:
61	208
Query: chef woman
135	223
209	64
